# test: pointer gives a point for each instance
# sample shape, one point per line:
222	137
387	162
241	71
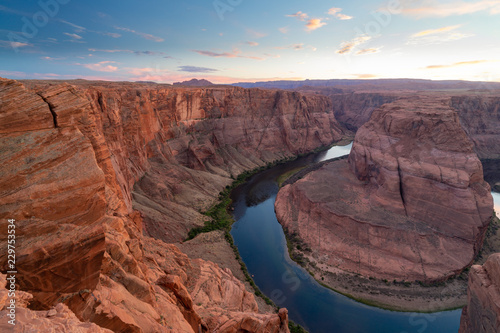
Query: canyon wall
482	313
86	168
352	110
479	113
480	117
409	204
158	135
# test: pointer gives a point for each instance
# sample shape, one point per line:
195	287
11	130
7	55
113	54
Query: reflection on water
496	199
262	246
335	152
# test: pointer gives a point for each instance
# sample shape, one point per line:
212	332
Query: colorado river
262	246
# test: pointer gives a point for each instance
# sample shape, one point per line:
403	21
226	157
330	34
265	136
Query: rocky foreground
482	313
409	204
90	170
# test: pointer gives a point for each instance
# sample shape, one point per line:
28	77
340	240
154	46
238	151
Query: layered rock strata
410	203
482	313
87	167
480	117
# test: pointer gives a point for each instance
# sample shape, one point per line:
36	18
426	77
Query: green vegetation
294	243
295	328
281	179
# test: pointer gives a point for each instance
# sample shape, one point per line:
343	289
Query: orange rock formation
86	168
409	204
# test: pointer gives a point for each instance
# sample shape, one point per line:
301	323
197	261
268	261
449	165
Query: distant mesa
194	83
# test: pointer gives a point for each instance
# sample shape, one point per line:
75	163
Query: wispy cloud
79	29
103	66
437	36
296	47
76	26
255	34
349	46
269	55
196	69
234	54
299	16
13	11
434	8
8	44
336	12
369	51
461	63
52	58
141	34
151	53
110	51
30	75
344	17
436	31
74	36
365	76
252	43
284	30
314	24
110	34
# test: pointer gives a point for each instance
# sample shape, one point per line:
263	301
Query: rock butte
409	204
87	168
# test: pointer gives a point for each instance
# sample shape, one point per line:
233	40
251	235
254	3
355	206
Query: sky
228	41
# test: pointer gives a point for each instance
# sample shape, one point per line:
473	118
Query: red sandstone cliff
352	110
479	113
482	313
86	168
156	136
409	204
480	117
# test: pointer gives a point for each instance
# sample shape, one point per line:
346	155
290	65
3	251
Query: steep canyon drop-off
91	170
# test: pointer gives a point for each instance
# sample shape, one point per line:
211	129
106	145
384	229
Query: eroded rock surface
86	168
410	203
57	319
482	313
